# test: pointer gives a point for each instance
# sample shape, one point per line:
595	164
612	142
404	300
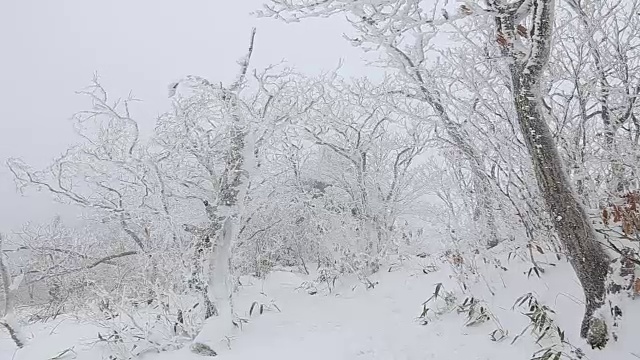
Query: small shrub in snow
541	322
134	327
261	308
543	327
477	313
309	286
328	277
202	349
439	303
476	310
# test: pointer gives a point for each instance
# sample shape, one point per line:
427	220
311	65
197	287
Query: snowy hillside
383	322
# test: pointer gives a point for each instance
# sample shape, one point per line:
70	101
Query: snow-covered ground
353	322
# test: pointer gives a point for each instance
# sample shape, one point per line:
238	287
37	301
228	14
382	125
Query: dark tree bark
570	219
526	67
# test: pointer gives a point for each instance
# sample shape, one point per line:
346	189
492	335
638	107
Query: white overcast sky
51	48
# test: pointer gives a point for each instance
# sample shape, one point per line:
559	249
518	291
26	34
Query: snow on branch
107	259
244	63
542	28
198	81
385	16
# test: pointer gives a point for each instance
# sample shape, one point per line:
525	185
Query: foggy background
51	49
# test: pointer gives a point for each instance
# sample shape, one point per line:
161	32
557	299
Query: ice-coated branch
107	259
541	33
244	63
100	107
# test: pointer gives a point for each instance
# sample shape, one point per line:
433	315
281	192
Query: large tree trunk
225	218
570	219
571	222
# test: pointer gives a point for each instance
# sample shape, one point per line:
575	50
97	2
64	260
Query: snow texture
353	322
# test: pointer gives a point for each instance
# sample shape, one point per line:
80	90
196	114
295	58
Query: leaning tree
523	30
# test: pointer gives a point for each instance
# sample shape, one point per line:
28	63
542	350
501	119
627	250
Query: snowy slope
353	322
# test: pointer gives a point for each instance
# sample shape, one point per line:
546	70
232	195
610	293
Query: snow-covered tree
403	32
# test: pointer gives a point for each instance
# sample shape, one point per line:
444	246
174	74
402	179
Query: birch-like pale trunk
233	186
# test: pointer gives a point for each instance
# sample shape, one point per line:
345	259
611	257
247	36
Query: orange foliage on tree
625	214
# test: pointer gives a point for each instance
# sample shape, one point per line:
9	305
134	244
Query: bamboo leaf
424	311
521	333
542	335
438	288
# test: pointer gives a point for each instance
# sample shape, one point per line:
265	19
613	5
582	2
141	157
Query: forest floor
381	323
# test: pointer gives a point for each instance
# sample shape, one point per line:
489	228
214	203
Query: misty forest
478	200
